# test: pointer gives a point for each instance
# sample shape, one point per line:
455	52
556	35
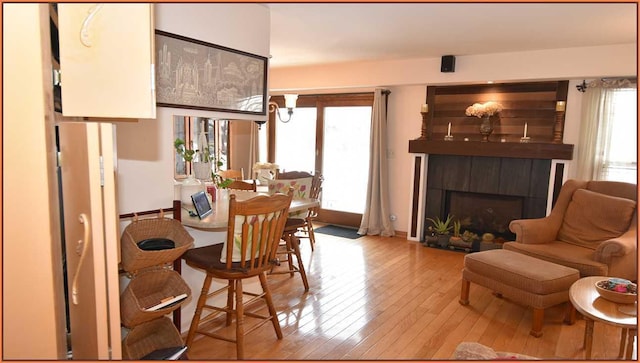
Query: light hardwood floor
381	298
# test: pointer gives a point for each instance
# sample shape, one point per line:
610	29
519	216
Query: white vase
190	185
222	194
202	170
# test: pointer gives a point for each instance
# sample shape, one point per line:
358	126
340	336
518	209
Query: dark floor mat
338	231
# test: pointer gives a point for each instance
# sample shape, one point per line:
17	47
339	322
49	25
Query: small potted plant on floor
441	229
456	239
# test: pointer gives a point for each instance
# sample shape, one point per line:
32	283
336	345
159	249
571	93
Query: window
608	131
619	155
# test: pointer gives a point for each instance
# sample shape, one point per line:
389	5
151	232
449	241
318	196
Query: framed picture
197	75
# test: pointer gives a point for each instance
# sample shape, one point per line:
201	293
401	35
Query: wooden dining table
219	218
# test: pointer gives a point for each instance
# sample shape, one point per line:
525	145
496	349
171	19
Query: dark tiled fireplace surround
488	183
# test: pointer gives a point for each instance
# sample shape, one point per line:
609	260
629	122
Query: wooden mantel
493	149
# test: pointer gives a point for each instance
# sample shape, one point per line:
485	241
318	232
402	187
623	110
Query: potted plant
190	185
441	229
455	240
182	150
219	181
471	239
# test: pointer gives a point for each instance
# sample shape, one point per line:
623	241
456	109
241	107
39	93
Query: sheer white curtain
600	108
375	219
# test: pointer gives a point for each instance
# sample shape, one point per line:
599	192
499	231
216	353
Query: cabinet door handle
87	240
84	31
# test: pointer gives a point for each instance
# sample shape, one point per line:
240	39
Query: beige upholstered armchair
592	228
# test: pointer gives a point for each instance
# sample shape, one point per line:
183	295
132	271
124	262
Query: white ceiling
314	33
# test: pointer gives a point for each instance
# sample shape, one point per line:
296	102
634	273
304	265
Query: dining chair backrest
232	174
293	175
255	228
242	185
314	192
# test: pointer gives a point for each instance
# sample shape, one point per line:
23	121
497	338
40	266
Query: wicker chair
255	228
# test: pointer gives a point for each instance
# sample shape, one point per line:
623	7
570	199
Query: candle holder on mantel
525	139
448	137
424	133
558	126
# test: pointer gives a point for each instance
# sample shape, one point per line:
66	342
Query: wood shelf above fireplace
493	149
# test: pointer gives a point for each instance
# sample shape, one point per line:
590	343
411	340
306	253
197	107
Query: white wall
145	148
408	79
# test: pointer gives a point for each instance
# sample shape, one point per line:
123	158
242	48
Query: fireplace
484	213
486	192
485	186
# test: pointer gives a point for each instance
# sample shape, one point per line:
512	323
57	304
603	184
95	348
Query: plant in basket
441	229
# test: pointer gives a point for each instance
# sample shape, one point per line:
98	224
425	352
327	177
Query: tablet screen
200	201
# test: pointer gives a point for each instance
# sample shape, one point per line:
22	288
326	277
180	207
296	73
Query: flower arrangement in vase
265	171
484	111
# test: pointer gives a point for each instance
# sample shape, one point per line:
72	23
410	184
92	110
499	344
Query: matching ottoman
523	279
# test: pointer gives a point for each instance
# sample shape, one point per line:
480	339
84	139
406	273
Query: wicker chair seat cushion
592	218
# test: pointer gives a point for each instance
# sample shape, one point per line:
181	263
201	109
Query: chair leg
272	308
289	250
230	294
239	320
312	236
295	243
196	315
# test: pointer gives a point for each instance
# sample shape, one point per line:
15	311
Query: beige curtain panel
375	219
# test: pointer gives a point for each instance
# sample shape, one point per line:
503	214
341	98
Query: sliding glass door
329	134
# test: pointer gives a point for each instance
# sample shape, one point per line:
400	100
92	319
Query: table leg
631	333
623	342
588	337
570	314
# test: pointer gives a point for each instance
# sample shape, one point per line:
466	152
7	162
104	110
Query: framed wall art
197	75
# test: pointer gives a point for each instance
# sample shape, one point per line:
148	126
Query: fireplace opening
484	213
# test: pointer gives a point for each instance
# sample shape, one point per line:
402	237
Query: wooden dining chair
242	185
290	243
304	223
232	174
285	175
254	231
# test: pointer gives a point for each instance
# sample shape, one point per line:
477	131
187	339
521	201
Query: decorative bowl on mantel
620	291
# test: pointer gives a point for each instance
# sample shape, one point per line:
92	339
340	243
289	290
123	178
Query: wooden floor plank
388	298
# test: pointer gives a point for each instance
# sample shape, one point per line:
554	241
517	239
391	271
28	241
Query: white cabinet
107	60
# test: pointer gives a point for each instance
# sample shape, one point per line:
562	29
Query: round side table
585	299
